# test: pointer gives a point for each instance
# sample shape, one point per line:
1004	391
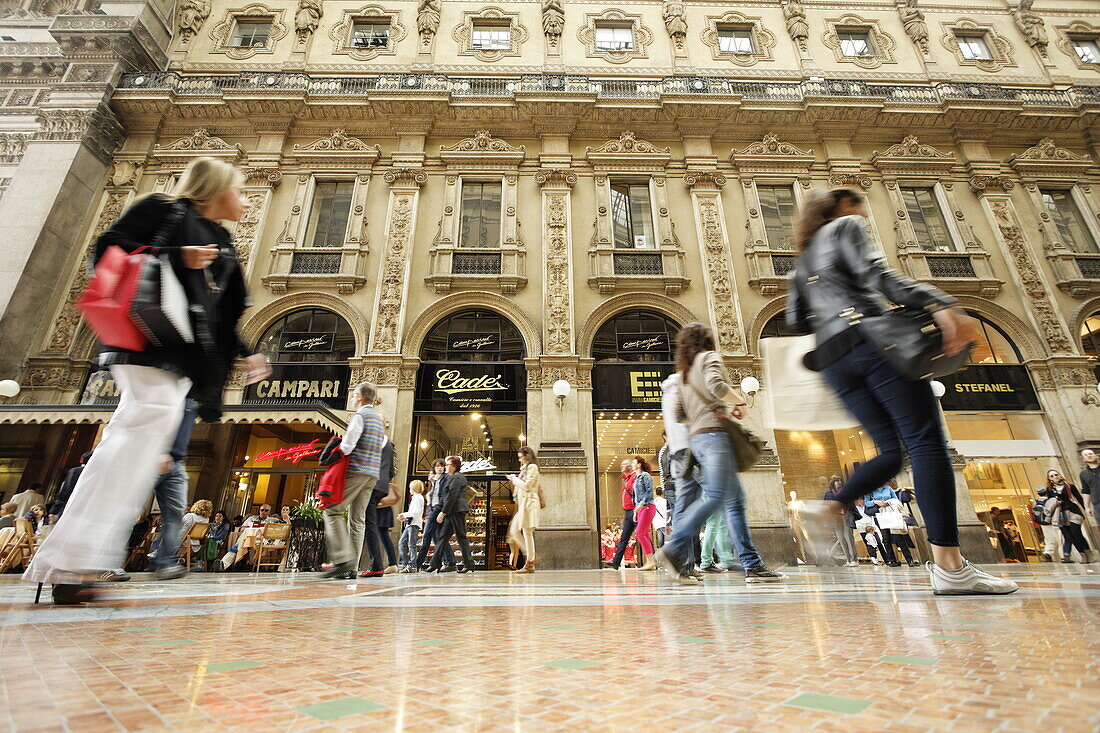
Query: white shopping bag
796	398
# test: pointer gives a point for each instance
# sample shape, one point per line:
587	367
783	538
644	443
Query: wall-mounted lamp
561	390
938	390
9	388
749	387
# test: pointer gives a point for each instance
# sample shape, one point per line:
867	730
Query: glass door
1003	493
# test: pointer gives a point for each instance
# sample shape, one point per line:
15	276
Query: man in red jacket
628	475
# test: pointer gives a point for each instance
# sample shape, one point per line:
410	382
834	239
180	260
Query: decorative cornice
405	178
338	140
704	180
555	177
263	176
838	180
627	144
772	155
482	150
912	157
1047	159
991	183
200	142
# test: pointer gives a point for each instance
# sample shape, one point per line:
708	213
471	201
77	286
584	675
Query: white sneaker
968	581
851	564
390	570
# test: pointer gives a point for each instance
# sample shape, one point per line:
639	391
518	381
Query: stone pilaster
559	333
393	280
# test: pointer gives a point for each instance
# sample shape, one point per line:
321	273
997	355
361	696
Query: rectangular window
251	33
855	43
1088	50
371	33
777	209
927	219
614	37
735	40
491	36
328	216
480	221
632	216
1067	217
974	47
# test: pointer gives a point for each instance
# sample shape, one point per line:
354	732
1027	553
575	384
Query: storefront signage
986	387
629	386
100	389
305	342
459	387
293	454
643	343
473	342
481	464
298	383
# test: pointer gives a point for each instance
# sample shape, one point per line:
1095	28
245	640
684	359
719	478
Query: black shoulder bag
747	447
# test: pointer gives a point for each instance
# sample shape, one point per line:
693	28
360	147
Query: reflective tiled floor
863	649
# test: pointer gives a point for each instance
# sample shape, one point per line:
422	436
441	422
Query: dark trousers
624	540
432	531
454	525
897	412
370	530
1074	538
387	544
888	547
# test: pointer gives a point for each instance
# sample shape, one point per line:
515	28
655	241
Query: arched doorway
633	351
471	401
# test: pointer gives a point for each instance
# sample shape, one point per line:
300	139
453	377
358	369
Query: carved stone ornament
675	18
405	177
912	19
263	176
12	146
628	144
642	36
553	21
763	40
341	33
190	16
704	180
222	33
124	173
991	183
428	13
715	247
882	43
839	180
999	47
1031	26
558	286
244	238
464	33
97	128
797	27
306	19
911	157
1033	286
1047	160
1077	29
200	142
392	286
482	149
772	155
482	141
338	140
555	177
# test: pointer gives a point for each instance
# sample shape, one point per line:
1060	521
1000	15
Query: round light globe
938	389
750	385
561	388
9	388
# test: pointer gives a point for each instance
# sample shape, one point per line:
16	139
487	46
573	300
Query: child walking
412	523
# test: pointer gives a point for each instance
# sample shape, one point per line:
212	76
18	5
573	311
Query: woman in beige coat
529	504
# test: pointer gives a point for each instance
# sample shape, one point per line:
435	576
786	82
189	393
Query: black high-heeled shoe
74	594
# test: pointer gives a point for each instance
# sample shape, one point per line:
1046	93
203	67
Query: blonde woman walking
529	504
155	381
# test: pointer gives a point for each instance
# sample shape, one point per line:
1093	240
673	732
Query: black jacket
839	270
454	499
207	366
67	486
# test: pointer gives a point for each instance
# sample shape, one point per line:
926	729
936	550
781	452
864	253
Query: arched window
1090	336
636	336
992	346
777	326
309	335
473	335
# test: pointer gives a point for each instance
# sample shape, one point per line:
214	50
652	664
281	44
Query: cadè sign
460	387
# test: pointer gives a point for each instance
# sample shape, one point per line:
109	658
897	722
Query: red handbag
330	492
105	302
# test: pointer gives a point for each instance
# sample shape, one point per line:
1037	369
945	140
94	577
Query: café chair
19	547
274	541
196	533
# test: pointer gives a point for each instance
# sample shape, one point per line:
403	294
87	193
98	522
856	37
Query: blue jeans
688	491
895	411
715	537
723	492
171	492
433	530
406	546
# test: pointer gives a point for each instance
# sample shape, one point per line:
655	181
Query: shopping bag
160	307
105	302
794	397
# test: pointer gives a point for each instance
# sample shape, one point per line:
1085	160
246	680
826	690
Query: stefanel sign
643	343
989	387
629	386
461	387
297	383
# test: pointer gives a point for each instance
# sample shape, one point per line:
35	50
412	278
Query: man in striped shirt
363	444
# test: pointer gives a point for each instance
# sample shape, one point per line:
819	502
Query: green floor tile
233	666
140	628
333	709
693	640
829	703
350	628
925	661
560	628
948	637
571	664
434	642
174	642
769	626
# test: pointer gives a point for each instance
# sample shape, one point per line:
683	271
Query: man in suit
432	528
453	517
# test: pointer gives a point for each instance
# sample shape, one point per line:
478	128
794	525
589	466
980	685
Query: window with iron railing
632	216
480	217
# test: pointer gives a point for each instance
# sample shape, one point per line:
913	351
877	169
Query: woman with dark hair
1070	515
705	387
839	276
215	536
529	503
644	509
433	529
843	528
